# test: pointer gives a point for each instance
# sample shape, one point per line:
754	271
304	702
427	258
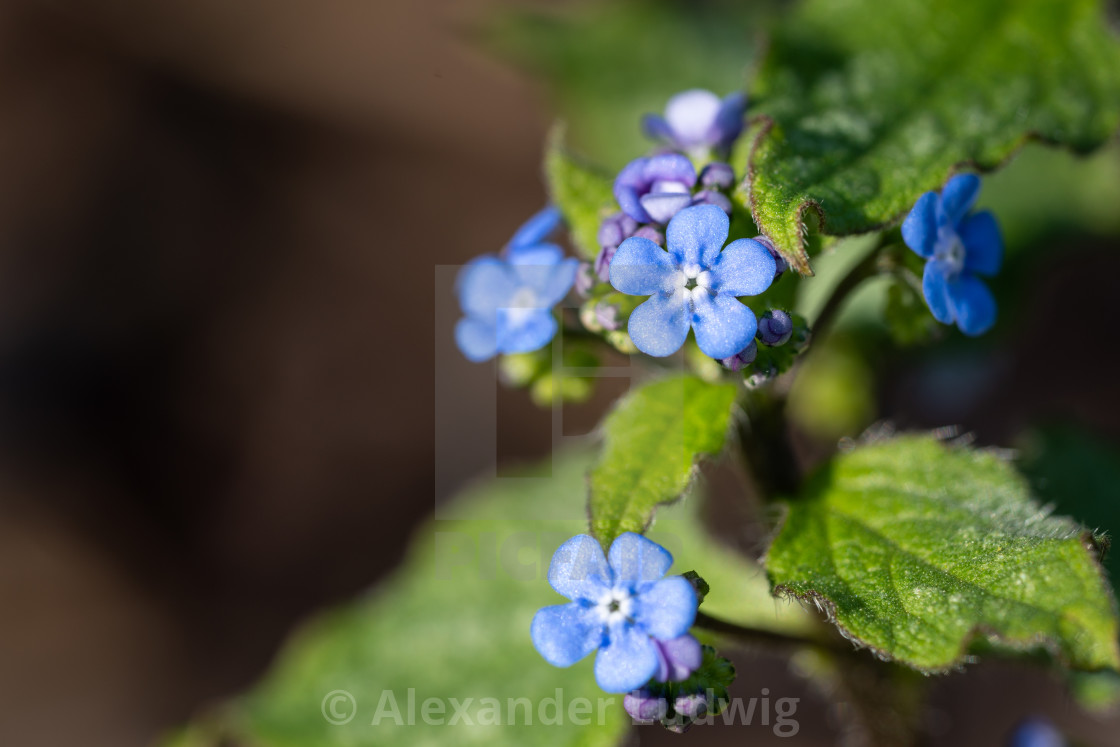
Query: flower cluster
623	606
960	247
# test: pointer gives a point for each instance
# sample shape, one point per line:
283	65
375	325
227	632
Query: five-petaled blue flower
696	120
621	605
693	285
507	300
959	246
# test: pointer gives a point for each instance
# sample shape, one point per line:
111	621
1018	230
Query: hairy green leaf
861	106
582	194
453	622
915	548
654	438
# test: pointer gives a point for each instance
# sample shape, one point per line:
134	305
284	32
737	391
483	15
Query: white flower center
950	252
521	306
694	281
615	606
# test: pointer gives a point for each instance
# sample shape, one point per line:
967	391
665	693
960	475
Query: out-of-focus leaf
581	193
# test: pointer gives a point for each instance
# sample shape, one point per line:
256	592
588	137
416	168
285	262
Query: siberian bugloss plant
903	555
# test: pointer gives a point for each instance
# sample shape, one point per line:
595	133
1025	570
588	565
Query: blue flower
507	300
652	189
698	120
693	285
959	246
621	606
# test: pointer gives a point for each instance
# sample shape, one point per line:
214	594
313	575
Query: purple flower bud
744	357
779	261
616	228
585	278
668	177
603	262
662	206
653	233
644	707
692	706
717	175
607	316
711	197
775	327
680	657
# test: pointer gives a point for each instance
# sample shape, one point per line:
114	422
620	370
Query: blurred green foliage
606	64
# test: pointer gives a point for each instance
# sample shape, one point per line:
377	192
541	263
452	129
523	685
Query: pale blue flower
693	285
623	607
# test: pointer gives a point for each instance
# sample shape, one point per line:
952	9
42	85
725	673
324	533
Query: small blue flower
694	285
698	120
959	246
1036	732
621	606
507	300
653	189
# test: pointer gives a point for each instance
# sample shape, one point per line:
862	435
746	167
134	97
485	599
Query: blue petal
934	288
668	608
919	230
537	228
523	330
959	196
637	560
659	326
656	128
549	283
629	185
534	254
641	268
983	243
696	234
579	569
566	633
662	206
729	120
973	305
723	326
477	339
744	268
628	660
669	167
692	116
485	285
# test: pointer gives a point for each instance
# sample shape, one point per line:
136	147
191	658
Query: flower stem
868	267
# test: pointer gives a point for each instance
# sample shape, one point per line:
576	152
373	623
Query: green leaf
453	622
861	106
582	194
654	438
914	548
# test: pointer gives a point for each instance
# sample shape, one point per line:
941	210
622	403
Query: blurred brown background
219	228
219	224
